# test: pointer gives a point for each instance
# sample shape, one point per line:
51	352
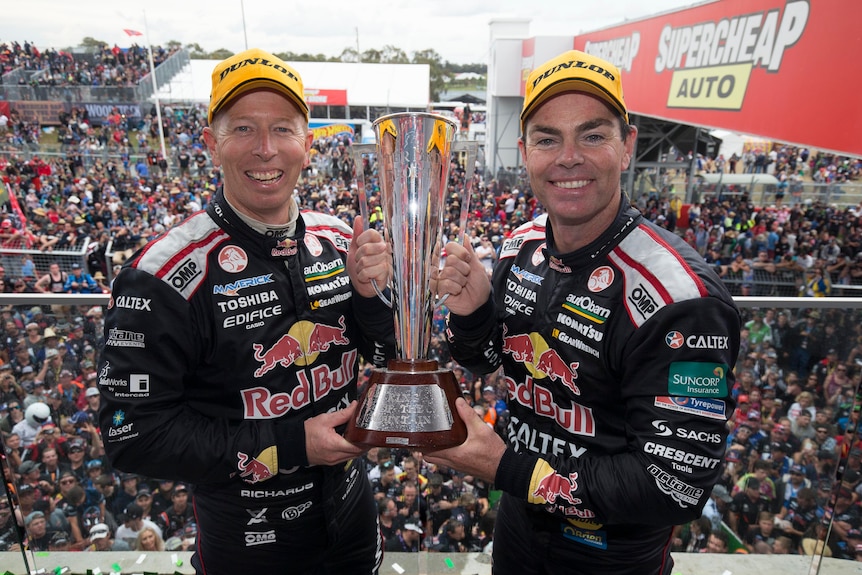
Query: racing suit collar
628	217
272	247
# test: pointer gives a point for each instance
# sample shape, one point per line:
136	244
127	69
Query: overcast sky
456	29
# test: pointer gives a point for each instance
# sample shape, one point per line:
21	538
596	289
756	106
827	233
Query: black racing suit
618	361
220	342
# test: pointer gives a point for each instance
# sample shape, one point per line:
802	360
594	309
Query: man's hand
323	444
480	454
370	258
464	278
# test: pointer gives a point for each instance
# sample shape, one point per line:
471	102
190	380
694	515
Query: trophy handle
358	151
472	149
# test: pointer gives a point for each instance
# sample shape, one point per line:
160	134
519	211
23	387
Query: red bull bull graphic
551	364
540	360
260	468
323	336
552	488
520	346
301	345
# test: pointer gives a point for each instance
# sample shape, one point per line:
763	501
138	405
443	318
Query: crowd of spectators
111	191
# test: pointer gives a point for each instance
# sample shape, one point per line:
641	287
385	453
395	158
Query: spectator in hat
144	498
76	456
127	492
80	282
717	506
101	539
162	495
33	340
38	536
789	486
60	542
746	507
93	398
174	519
134	523
407	540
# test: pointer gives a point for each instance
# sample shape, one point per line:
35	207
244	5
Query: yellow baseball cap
251	69
574	71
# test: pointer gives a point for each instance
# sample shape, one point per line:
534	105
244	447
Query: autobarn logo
323	270
253	538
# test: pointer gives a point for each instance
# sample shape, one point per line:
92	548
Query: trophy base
411	403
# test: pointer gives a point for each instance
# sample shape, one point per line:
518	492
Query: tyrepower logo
712	61
708	408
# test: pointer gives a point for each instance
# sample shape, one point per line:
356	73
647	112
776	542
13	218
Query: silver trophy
411	403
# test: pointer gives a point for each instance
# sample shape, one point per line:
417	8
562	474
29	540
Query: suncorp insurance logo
697	379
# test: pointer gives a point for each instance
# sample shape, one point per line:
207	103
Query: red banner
780	69
315	97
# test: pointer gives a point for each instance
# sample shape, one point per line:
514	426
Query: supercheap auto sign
782	69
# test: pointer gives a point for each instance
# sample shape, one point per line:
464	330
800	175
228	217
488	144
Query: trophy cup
411	403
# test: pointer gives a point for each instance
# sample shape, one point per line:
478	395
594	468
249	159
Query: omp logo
184	274
712	61
253	538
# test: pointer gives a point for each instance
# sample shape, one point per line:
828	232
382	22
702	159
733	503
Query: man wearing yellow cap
616	342
232	346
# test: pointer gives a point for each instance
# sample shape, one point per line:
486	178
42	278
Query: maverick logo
712	61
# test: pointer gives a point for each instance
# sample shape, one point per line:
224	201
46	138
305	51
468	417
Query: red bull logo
285	351
520	347
551	364
322	336
255	469
555	489
540	360
284	248
290	348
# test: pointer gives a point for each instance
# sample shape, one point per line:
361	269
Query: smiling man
597	316
229	364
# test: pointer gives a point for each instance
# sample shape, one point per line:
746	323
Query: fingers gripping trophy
411	403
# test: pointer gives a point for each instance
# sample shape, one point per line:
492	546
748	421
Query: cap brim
573	85
253	84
